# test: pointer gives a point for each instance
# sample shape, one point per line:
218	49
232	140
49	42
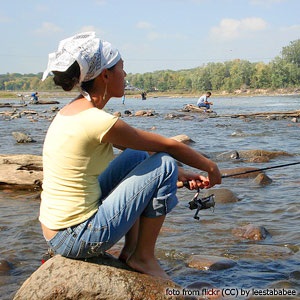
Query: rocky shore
107	278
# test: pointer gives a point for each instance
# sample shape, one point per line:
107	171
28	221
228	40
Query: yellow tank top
73	158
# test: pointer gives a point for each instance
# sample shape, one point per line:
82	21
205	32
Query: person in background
203	101
90	200
144	95
34	98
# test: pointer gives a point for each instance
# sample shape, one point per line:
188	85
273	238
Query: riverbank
16	95
273	262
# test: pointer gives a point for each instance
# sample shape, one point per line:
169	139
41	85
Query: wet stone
251	232
210	262
222	195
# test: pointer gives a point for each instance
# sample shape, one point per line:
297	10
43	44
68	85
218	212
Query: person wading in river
90	200
203	101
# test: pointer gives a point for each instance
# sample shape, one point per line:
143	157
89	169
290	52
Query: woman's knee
168	163
136	155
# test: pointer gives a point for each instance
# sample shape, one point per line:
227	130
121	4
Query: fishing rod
259	170
187	184
199	203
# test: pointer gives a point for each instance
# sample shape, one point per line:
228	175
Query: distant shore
15	95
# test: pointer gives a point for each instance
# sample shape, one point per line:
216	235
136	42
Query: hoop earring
105	92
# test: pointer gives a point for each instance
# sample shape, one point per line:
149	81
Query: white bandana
92	54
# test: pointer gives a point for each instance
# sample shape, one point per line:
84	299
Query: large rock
182	138
22	137
21	171
262	179
98	278
210	262
222	195
251	232
244	172
248	154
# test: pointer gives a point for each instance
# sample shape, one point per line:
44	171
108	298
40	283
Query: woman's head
80	58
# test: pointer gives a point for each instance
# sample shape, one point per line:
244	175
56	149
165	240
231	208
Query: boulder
45	102
5	266
262	179
182	138
127	112
21	137
294	120
248	154
222	195
210	262
251	232
144	113
259	159
241	171
21	171
194	108
103	277
117	114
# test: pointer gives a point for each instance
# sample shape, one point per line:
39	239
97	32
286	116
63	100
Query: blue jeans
204	105
133	185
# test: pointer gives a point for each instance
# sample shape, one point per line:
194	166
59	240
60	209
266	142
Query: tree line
282	72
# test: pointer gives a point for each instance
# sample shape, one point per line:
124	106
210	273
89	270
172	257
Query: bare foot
125	253
149	266
124	256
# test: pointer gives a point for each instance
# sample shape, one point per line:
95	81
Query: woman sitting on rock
90	200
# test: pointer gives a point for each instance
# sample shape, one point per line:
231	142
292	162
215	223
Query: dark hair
69	78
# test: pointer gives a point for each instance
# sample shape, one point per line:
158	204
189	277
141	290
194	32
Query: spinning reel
199	203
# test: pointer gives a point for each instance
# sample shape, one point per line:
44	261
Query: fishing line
199	203
187	185
259	170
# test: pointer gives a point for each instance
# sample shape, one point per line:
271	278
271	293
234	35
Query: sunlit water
273	262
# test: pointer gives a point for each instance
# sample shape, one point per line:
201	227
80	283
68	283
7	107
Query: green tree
291	53
279	73
283	71
261	77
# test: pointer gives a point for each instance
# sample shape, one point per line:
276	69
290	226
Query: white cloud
47	28
144	25
230	29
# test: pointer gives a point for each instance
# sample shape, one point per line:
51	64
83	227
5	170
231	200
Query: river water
272	263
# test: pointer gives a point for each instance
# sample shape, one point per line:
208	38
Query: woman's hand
196	181
214	176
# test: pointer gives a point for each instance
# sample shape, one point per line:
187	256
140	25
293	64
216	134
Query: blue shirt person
34	98
203	101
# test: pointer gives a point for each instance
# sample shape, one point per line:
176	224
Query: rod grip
181	184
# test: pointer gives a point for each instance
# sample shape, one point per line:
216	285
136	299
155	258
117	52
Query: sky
150	34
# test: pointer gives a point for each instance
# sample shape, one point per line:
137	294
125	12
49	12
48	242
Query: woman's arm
123	135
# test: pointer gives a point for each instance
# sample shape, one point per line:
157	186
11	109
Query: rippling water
270	263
